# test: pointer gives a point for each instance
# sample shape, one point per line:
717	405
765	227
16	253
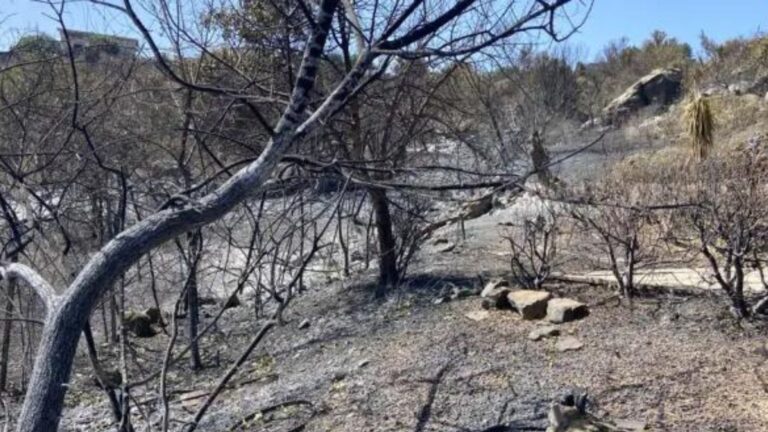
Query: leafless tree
727	220
288	118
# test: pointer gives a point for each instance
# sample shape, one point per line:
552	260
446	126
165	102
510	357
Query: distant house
95	44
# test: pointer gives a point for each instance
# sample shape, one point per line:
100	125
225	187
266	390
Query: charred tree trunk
7	329
388	273
194	249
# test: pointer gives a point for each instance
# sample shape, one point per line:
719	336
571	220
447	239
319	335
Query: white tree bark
42	288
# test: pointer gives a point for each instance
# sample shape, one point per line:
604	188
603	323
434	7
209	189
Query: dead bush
727	220
533	245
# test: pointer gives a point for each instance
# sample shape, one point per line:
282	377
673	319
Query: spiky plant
700	126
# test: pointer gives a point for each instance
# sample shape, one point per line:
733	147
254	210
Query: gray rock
449	247
304	324
529	304
477	208
543	332
478	315
568	343
562	310
660	87
495	294
738	88
631	425
495	288
140	324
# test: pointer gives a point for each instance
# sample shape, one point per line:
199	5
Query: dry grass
700	126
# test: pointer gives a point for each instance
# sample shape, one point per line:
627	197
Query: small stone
543	332
568	343
363	363
304	324
447	248
529	304
630	425
562	310
478	315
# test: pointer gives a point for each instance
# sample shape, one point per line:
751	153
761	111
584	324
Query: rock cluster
534	305
531	304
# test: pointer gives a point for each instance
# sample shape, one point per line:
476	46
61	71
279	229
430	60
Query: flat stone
630	425
543	332
479	315
560	310
529	304
449	247
568	343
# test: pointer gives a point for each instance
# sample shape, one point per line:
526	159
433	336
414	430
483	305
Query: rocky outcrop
660	87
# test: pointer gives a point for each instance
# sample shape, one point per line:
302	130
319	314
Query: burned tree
285	118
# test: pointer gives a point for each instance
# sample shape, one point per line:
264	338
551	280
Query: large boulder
560	310
660	87
529	304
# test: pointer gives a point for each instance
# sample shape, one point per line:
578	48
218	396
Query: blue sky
683	19
610	20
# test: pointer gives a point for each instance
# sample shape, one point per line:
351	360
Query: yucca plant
700	126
